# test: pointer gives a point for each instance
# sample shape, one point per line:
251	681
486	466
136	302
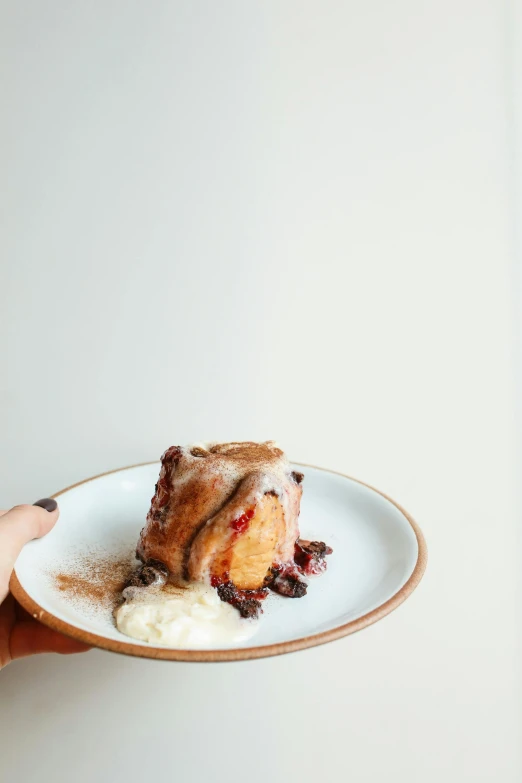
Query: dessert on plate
224	518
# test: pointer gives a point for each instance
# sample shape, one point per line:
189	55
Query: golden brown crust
201	490
246	555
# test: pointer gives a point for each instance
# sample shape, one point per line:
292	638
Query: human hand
21	634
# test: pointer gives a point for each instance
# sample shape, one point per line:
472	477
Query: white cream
193	618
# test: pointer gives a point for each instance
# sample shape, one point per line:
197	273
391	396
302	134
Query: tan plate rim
237	654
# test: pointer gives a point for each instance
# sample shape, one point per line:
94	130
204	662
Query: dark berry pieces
150	573
247	602
310	556
288	584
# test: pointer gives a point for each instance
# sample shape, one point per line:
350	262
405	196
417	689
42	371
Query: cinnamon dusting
94	580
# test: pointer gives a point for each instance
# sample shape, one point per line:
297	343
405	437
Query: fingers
20	612
21	635
23	523
30	638
18	526
7	621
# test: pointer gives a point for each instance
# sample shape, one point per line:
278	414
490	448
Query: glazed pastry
227	515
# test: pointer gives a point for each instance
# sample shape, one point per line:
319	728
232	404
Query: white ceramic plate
378	559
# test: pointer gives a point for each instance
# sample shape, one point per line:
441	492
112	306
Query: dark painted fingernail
48	503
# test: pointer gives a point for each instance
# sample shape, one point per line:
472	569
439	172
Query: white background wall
270	219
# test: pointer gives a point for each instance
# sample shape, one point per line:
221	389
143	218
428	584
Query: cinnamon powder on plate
94	581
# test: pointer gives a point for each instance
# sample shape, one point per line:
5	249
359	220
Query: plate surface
379	558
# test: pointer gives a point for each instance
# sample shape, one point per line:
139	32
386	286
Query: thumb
18	526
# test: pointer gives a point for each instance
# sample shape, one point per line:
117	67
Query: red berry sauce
241	524
310	557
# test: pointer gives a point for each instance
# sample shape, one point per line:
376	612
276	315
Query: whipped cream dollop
190	618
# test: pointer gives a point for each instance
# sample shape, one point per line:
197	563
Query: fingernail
48	503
